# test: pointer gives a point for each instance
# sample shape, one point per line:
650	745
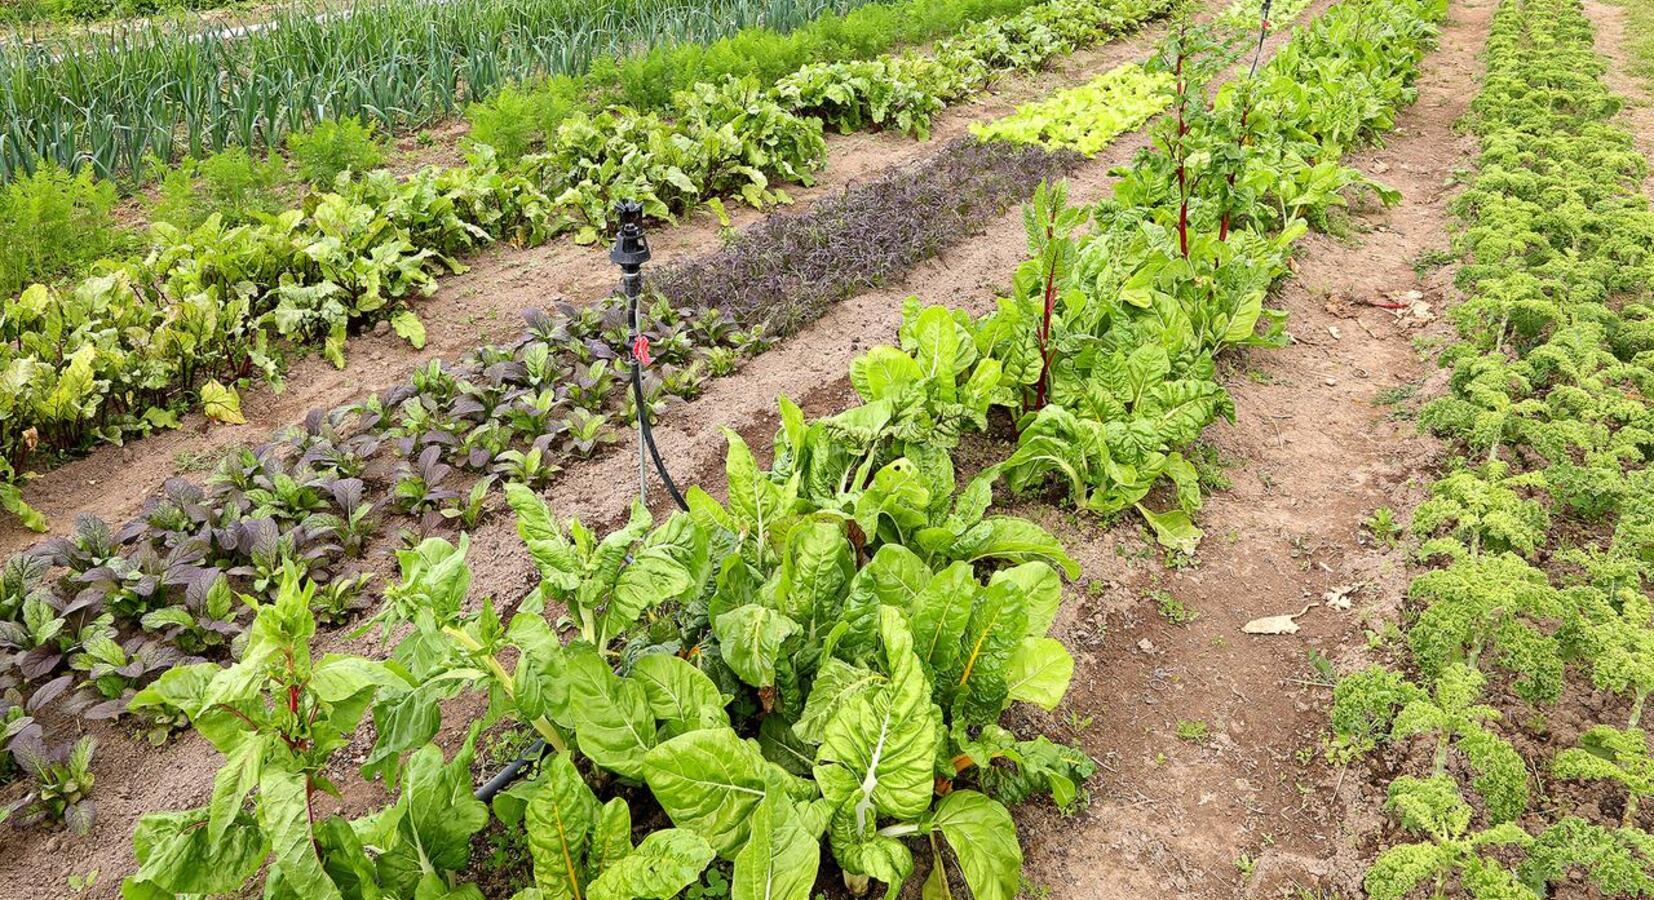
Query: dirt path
1251	811
486	304
1613	44
1313	454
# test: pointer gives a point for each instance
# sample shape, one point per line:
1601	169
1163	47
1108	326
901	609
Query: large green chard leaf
984	839
782	746
1041	589
836	684
177	856
894	576
433	820
681	696
782	857
709	781
558	560
653	577
665	863
11	500
612	838
348	865
757	504
976	684
815	572
1014	540
937	336
234	781
882	372
878	751
612	718
1039	672
540	682
750	637
939	615
562	816
284	815
899	496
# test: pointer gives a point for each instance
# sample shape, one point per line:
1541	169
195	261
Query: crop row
1535	545
56	224
46	14
817	660
1089	117
122	351
1110	337
110	101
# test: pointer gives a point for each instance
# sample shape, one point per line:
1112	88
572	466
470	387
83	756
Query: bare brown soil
1312	453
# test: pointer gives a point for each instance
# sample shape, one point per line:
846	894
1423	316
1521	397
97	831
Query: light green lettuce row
1089	117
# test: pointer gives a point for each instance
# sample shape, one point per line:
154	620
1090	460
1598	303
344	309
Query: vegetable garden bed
220	305
837	669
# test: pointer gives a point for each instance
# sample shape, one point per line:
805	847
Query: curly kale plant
1618	862
1606	753
1476	510
1450	851
1459	722
1490	603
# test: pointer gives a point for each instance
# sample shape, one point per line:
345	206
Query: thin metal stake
1263	31
631	251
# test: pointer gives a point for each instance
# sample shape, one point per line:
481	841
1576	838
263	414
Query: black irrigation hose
1263	32
646	435
513	771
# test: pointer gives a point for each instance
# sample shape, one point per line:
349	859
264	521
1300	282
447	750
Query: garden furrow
1498	723
486	304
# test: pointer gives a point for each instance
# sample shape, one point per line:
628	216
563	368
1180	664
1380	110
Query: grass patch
1639	36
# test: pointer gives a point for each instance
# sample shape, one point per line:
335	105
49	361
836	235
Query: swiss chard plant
278	716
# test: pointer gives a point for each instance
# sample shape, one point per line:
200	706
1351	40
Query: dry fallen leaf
1339	597
1281	624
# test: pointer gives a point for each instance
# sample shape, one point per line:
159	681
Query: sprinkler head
631	248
